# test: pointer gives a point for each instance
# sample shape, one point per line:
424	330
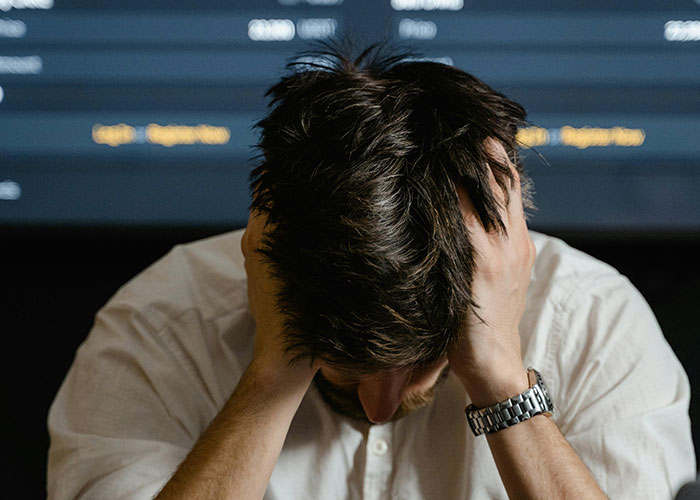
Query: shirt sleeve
162	358
116	429
622	394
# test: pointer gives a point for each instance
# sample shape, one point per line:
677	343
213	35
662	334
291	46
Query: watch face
540	382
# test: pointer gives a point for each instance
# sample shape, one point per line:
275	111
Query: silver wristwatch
525	405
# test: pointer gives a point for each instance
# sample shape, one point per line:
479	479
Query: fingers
495	249
244	242
253	233
471	218
511	201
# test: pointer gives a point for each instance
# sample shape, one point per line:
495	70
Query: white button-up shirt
168	349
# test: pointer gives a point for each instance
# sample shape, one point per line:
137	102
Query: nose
381	396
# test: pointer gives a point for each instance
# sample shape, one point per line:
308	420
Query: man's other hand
488	359
269	352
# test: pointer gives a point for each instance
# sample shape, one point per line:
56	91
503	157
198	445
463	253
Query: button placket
379	462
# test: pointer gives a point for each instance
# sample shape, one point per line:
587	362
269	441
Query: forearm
533	458
235	456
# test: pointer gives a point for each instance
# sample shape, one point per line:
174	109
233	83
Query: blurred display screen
141	113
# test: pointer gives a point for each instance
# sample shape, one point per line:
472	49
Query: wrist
487	388
281	376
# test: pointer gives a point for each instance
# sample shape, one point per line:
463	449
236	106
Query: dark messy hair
358	173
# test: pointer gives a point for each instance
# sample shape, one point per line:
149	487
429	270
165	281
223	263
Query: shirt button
379	447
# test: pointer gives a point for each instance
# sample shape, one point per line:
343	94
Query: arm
533	458
235	456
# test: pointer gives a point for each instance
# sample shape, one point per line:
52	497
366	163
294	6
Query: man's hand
269	354
488	360
234	458
489	363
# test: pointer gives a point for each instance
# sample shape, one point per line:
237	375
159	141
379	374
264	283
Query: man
386	281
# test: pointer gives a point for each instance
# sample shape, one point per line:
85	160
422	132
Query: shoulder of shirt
576	299
581	310
207	275
561	272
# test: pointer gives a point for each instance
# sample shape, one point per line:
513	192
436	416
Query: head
361	161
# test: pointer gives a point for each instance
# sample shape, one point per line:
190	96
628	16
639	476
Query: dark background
54	280
91	216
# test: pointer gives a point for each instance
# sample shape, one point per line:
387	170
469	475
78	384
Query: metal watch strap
533	401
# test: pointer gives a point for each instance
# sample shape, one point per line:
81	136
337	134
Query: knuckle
244	244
